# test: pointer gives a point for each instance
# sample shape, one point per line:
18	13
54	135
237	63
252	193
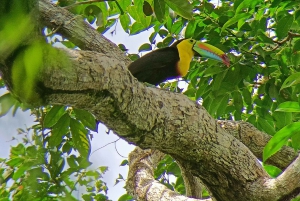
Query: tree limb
141	179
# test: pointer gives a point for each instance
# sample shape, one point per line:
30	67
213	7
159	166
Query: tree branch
141	182
256	140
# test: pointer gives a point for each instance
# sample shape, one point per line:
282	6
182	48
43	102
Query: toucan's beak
209	51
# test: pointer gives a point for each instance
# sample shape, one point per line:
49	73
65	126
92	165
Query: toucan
174	61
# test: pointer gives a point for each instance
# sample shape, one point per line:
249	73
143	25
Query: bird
174	61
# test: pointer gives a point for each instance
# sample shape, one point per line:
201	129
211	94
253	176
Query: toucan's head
206	50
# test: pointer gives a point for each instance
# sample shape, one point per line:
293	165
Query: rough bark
156	119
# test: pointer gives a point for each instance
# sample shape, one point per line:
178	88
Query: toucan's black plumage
157	66
171	62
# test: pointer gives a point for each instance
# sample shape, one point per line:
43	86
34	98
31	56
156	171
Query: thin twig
118	152
106	145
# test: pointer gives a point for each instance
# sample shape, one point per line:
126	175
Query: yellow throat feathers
185	50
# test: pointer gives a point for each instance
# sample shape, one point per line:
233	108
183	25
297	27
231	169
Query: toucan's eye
191	40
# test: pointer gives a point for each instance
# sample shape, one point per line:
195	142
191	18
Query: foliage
261	86
51	162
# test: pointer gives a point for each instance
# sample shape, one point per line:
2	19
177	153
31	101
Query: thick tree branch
256	140
77	30
141	179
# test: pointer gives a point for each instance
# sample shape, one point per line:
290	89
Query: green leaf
55	113
215	105
124	162
266	125
217	81
288	106
296	46
284	26
147	9
21	170
282	119
223	105
145	47
181	7
15	162
72	161
133	57
80	139
235	19
87	119
168	41
212	70
7	101
273	171
136	28
60	129
296	141
163	33
152	37
247	96
125	197
177	27
92	10
103	15
237	101
124	4
125	22
159	10
263	37
122	47
280	139
246	4
103	169
136	12
174	169
18	150
291	80
190	29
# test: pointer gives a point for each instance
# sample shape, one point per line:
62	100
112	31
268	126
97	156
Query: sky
107	156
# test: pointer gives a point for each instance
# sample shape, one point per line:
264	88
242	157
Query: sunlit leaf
7	101
273	171
59	130
55	113
125	22
288	106
181	7
80	138
190	29
291	80
246	4
280	139
86	118
295	141
159	9
235	19
125	197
